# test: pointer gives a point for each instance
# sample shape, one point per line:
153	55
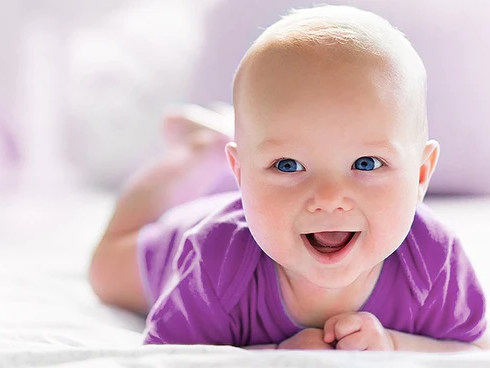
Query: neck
311	305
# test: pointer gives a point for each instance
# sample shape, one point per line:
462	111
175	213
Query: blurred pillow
451	38
122	72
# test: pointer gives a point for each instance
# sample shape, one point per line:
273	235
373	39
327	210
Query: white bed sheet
49	316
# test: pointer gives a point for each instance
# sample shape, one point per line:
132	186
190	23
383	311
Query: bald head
334	41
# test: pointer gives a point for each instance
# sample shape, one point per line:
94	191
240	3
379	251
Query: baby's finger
342	326
355	341
329	329
347	325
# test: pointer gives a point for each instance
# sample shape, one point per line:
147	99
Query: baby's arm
363	331
309	338
408	342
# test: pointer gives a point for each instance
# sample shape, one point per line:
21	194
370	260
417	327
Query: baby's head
331	150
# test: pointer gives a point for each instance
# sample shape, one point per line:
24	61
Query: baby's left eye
367	164
288	165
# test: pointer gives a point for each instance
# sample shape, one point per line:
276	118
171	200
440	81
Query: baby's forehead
280	81
327	56
278	74
274	58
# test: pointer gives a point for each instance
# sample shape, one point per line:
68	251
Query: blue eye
288	165
367	164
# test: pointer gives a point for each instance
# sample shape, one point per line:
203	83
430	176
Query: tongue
332	239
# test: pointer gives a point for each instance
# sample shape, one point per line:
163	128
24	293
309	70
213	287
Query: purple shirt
208	281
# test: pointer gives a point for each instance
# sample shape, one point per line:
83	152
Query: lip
330	258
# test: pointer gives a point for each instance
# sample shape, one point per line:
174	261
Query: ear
232	156
429	162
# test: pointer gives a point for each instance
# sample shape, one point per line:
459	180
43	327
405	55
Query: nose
329	196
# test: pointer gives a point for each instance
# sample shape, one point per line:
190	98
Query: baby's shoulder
426	253
429	245
227	251
428	230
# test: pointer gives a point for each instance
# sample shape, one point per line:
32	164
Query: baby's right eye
288	165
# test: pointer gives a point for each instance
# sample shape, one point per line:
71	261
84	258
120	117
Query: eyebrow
391	146
270	144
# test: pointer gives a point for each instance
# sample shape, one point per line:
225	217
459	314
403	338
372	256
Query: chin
338	281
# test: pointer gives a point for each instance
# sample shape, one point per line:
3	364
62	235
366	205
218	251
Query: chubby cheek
391	212
269	212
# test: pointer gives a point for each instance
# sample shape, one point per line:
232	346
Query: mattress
50	317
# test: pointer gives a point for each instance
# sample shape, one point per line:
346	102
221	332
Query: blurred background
83	84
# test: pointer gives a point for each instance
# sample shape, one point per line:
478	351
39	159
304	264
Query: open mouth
330	241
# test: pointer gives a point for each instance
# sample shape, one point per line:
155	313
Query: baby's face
328	165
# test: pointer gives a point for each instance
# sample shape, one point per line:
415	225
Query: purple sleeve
158	242
185	308
189	311
455	306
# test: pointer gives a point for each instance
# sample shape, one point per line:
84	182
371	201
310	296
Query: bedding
50	317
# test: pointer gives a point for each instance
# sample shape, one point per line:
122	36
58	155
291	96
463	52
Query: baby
326	245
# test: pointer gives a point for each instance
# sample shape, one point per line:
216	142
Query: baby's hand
309	338
357	331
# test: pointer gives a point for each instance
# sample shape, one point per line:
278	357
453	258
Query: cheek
267	209
392	208
259	202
